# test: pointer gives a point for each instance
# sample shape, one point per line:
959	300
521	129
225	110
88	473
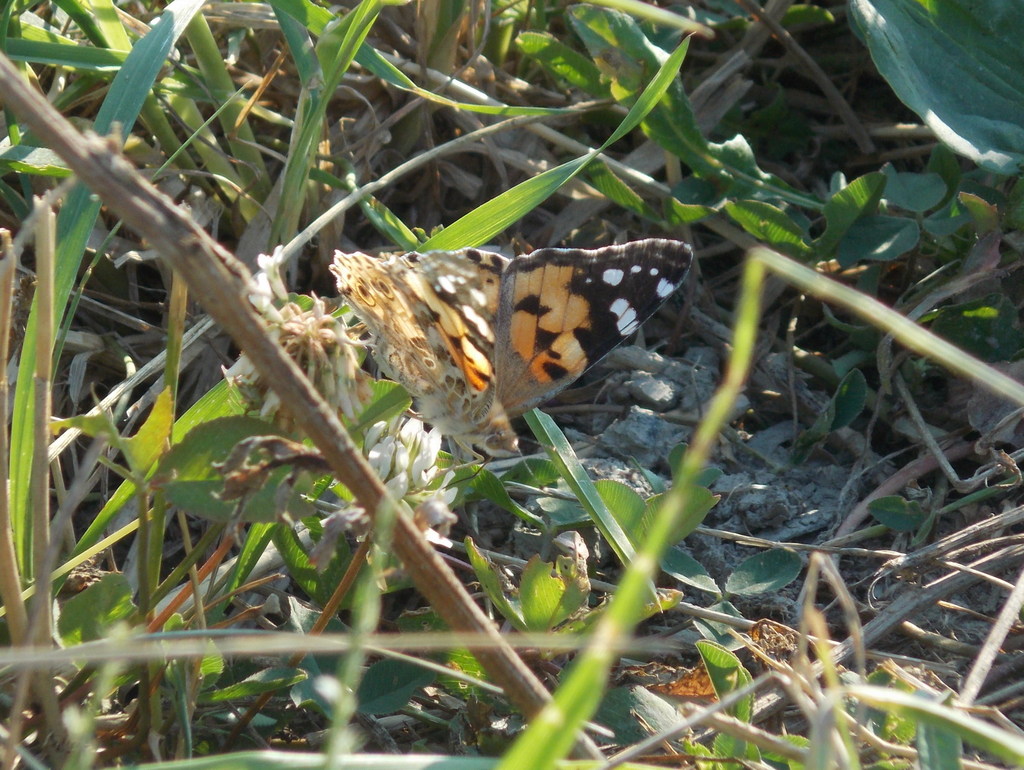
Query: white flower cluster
404	456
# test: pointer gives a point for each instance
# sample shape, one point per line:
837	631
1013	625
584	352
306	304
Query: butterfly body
477	338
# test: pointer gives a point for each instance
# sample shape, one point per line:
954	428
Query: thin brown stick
221	284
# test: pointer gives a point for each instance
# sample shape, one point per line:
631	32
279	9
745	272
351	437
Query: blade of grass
490	218
336	49
569	468
128	92
978	733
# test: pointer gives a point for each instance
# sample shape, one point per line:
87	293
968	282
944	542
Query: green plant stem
10	578
242	141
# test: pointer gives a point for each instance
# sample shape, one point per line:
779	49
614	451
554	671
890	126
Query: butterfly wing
432	317
562	310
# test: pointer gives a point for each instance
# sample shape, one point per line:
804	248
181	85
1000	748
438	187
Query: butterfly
478	338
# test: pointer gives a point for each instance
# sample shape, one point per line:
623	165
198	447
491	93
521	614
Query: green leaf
617	191
727	674
938	748
494	586
849	399
975	104
625	505
150	441
913	192
844	406
698	504
897	513
267	680
688	571
388	685
984	214
548	597
879	238
845	207
389	400
1005	744
562	62
561	454
490	487
988	327
764	572
88	616
634	713
25	159
217	402
720	633
190	479
769	224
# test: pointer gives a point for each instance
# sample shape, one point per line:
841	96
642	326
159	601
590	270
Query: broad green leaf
189	476
389	400
984	214
897	513
988	327
698	504
844	406
688	571
562	455
88	616
634	713
562	61
916	192
617	191
219	401
625	505
879	238
487	485
857	199
727	674
764	572
850	398
957	64
720	633
938	748
151	440
769	224
548	597
388	685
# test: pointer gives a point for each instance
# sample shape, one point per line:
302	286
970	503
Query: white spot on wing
483	328
653	271
612	276
635	269
625	314
446	283
665	288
